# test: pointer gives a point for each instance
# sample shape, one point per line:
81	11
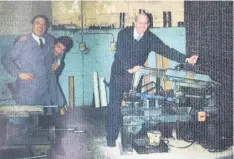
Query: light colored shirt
37	38
136	35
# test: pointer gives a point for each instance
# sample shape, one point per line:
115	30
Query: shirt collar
136	35
37	38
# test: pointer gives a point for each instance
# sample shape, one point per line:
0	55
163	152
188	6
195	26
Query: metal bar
50	106
193	96
12	147
152	82
42	156
79	131
89	33
71	92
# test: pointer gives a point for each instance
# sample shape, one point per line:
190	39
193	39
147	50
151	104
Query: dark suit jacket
56	93
130	52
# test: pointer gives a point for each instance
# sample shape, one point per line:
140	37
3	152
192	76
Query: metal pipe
100	33
71	92
41	156
83	74
82	23
120	20
169	19
50	106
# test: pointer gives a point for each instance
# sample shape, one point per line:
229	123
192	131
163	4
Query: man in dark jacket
133	46
61	46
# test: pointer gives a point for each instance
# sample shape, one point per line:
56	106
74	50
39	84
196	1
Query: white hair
144	14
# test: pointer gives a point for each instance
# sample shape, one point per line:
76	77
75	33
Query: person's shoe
111	143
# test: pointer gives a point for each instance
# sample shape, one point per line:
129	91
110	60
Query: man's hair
145	14
66	41
43	17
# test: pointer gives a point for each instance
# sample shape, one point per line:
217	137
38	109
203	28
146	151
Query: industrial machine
151	113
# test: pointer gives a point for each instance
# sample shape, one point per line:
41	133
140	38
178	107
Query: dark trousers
118	85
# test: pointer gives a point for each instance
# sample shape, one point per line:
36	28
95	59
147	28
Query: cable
181	147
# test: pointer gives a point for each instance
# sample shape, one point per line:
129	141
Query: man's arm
158	46
60	68
9	60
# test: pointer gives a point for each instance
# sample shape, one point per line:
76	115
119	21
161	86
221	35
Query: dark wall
209	33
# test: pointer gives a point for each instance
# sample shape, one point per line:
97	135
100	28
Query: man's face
39	26
59	49
141	24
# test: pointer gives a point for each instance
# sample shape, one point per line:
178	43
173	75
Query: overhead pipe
82	44
113	43
101	33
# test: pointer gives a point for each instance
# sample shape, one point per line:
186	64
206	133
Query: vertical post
71	92
123	19
120	20
164	19
151	20
96	90
102	89
169	19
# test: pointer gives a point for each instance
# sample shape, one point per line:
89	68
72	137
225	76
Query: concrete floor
91	144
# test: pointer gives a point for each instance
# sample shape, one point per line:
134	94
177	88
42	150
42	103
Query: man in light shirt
28	62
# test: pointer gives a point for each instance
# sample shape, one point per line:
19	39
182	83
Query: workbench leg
126	140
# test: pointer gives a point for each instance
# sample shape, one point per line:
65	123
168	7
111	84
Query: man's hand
26	76
23	38
135	69
192	59
63	109
54	67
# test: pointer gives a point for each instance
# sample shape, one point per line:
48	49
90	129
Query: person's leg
113	112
